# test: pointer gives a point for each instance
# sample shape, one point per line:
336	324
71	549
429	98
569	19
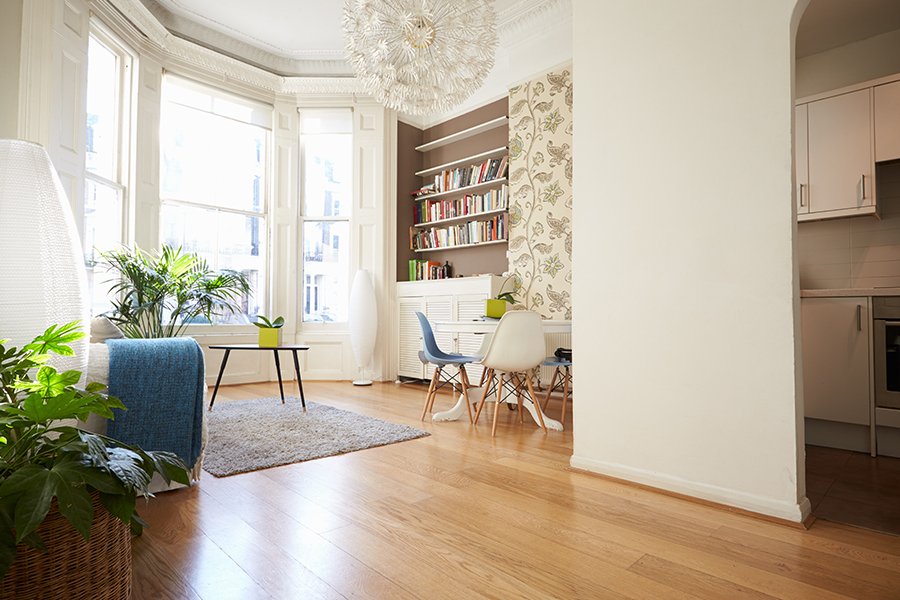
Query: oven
886	321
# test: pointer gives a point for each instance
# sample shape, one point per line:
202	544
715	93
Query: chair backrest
429	345
518	343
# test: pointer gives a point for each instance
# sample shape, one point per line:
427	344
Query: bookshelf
503	241
495	123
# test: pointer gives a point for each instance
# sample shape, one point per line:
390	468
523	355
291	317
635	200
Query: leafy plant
264	323
510	296
42	459
159	294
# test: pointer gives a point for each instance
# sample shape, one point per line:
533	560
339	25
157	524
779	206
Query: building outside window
106	157
326	145
213	183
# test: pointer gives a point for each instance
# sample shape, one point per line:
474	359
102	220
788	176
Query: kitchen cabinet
840	156
440	300
801	157
837	344
887	121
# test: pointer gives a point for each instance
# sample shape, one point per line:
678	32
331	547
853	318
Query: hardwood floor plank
698	583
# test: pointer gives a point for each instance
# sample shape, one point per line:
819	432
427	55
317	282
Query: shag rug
247	435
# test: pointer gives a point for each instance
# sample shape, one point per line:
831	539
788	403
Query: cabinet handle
861	190
802	200
859	317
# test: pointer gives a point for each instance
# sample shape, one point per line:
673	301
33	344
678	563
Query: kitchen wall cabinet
801	154
441	300
887	121
840	156
837	345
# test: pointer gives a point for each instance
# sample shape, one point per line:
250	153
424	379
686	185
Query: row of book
473	232
425	270
452	179
435	210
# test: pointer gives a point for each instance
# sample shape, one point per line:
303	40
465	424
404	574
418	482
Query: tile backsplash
857	252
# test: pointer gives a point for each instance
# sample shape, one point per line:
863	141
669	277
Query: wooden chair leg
518	383
489	377
497	404
437	380
537	405
568	377
464	381
431	385
550	389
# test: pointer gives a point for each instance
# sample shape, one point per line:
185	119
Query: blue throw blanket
161	382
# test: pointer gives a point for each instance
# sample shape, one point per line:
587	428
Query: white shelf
464	162
465	133
484	185
468	217
490	243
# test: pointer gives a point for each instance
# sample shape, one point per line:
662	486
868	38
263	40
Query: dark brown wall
465	261
408	162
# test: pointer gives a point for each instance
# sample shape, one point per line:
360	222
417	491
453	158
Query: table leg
219	378
278	370
299	379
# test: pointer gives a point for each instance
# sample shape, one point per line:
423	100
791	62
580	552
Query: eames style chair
516	349
441	360
562	379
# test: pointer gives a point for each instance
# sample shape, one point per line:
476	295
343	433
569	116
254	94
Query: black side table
293	348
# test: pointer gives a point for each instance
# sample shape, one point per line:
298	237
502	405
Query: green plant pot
494	308
269	337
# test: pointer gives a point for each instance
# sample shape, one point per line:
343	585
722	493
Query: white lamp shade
42	279
363	318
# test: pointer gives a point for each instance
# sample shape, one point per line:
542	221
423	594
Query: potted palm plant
159	294
67	496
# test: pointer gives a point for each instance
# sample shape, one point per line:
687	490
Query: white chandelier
420	56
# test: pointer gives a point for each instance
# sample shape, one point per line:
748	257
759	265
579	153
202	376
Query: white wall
10	40
683	145
860	61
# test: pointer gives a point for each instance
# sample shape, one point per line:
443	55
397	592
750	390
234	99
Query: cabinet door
439	308
409	364
841	164
469	308
887	121
801	158
836	342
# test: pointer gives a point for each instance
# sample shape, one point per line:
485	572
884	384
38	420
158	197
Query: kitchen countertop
850	292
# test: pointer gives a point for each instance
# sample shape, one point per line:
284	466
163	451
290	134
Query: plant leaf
34	502
119	506
73	500
7	541
279	322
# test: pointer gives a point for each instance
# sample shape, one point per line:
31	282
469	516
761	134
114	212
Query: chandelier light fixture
420	56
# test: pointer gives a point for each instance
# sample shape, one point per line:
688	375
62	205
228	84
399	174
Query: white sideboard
440	300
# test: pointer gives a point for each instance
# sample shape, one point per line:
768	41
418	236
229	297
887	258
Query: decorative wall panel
540	213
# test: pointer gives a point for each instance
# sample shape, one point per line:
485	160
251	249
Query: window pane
327	174
191	229
102	109
326	260
102	232
208	159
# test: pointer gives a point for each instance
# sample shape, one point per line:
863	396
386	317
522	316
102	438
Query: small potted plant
495	307
269	331
66	495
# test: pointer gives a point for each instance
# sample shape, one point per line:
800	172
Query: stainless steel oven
886	315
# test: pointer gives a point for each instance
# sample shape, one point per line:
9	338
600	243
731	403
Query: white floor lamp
42	266
363	323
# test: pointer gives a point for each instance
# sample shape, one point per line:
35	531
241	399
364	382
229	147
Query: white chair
516	349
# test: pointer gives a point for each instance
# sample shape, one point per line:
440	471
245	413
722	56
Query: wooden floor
854	488
457	515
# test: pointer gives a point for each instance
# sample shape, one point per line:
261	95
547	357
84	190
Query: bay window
213	183
326	146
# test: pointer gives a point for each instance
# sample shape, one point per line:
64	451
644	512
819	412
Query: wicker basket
73	569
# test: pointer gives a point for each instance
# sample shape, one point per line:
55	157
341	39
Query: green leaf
7	541
170	466
279	322
119	506
128	468
94	387
34	502
73	500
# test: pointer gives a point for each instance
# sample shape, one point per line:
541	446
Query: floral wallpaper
540	180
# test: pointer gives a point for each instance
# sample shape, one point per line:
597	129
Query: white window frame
266	213
322	326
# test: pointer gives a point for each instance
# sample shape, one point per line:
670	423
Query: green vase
494	308
269	337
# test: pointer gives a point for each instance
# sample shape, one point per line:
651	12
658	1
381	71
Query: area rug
248	435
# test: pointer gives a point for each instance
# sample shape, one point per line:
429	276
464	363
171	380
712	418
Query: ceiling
828	24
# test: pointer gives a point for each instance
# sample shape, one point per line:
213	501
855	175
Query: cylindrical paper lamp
363	323
41	264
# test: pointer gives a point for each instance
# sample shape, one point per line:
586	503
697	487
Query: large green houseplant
42	458
158	294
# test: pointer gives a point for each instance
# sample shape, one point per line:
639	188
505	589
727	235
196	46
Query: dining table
486	327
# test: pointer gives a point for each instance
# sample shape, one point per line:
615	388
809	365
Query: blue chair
562	378
431	354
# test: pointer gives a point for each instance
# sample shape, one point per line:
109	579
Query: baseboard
727	498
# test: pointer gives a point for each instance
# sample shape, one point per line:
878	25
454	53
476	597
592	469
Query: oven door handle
889	323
